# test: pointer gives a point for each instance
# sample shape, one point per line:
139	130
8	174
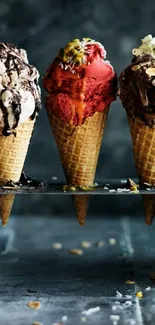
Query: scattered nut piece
100	243
134	189
112	241
115	318
37	323
148	289
76	251
57	245
34	304
150	71
86	244
54	178
83	319
139	294
128	296
64	318
128	303
130	282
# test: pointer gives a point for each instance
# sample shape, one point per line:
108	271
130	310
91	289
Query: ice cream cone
143	138
137	93
13	150
81	86
79	148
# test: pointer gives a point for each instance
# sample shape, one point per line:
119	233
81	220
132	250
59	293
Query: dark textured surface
67	285
42	27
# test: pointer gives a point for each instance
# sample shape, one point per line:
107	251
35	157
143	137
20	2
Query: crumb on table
34	304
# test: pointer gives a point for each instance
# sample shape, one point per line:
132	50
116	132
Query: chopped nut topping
34	304
135	67
139	294
76	251
150	71
37	323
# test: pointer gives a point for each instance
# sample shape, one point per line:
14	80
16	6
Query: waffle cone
13	150
79	148
143	138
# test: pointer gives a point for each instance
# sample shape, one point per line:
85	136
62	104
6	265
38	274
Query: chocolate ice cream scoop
137	83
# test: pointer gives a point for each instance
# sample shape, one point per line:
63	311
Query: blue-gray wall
42	27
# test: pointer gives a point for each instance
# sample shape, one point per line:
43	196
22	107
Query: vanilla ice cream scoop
20	97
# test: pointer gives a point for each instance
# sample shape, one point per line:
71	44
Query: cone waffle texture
143	138
13	150
79	148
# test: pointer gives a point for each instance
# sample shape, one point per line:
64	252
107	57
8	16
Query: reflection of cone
13	150
79	148
143	138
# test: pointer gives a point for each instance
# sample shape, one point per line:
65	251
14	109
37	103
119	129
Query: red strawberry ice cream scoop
79	82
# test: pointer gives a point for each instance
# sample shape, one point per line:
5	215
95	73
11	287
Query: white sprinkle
112	191
64	318
54	178
148	289
117	307
105	188
112	241
86	244
128	296
91	311
120	190
118	295
115	318
107	184
57	245
123	181
117	302
128	303
153	82
148	189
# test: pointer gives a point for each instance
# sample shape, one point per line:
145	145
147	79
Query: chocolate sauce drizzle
137	91
13	59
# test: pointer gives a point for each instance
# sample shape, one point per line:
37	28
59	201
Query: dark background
42	27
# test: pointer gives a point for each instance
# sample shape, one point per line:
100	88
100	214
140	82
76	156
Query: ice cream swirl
20	96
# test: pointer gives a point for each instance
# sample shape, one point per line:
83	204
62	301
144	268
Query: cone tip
81	222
